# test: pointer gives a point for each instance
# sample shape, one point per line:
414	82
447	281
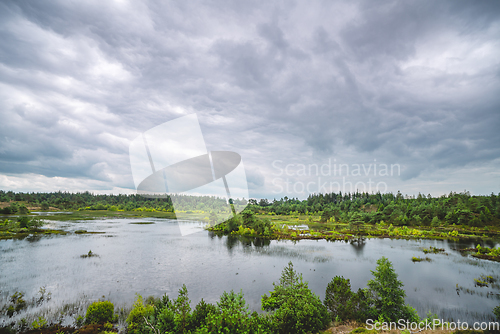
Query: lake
149	256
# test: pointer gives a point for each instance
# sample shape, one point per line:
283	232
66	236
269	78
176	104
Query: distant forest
397	209
455	208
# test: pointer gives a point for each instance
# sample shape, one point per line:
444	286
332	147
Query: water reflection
231	242
33	238
357	245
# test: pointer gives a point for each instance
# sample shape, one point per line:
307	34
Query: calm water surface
154	259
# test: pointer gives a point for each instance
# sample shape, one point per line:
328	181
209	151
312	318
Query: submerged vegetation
433	250
484	281
89	254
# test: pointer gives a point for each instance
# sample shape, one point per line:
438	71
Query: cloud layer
409	83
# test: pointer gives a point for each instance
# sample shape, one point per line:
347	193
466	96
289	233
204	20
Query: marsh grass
433	250
89	254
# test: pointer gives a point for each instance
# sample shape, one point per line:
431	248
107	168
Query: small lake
150	257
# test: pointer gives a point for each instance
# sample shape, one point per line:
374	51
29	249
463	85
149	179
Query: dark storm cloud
410	82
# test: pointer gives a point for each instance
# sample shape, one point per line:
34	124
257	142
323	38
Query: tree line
454	208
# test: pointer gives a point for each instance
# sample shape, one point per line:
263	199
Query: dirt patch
4	204
346	328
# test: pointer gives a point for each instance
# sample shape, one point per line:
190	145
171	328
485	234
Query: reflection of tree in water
231	242
212	235
246	241
471	243
488	243
358	244
260	242
261	246
33	238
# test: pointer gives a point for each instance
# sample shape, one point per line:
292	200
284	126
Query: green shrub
496	312
182	310
79	321
35	223
108	326
23	209
343	304
232	224
40	323
137	315
23	222
338	299
231	316
200	313
162	315
100	312
17	303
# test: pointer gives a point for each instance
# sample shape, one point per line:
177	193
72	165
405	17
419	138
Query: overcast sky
303	84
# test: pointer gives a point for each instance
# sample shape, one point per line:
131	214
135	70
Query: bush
200	313
137	315
23	209
7	210
363	306
17	303
231	316
100	312
35	223
496	312
165	315
296	308
343	304
79	321
232	224
182	310
23	222
39	323
338	299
